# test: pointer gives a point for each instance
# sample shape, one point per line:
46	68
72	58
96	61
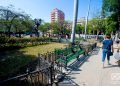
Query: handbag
111	53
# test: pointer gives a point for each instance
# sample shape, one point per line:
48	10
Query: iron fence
40	72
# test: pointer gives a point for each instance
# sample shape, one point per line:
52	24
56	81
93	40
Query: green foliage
44	28
102	25
15	61
109	26
13	64
10	20
60	27
55	28
111	9
67	31
15	43
78	29
90	28
95	25
111	5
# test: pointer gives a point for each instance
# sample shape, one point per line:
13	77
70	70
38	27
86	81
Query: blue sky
42	8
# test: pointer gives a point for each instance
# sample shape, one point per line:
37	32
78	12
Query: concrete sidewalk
91	72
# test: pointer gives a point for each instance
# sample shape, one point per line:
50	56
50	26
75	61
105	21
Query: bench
64	56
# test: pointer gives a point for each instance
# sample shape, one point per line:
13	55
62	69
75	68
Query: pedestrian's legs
108	57
104	56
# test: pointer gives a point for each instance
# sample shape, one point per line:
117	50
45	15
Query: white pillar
74	20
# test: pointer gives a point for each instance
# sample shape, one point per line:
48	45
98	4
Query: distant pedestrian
117	57
107	49
117	42
66	36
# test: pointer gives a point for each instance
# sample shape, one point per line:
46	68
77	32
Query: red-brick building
57	15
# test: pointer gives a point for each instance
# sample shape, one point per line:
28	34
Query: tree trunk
82	31
9	32
43	34
10	25
93	32
19	32
79	35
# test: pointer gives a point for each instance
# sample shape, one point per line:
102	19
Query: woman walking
107	49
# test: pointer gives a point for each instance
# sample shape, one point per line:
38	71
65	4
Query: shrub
15	43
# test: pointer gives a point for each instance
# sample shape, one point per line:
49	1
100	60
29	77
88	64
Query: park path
91	72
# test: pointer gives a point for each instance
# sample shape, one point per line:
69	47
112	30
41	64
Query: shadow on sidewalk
67	81
95	51
81	60
78	63
111	66
74	67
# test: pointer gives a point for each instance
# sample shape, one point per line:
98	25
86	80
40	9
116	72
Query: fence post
51	73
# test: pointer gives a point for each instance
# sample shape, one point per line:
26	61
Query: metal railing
40	72
38	75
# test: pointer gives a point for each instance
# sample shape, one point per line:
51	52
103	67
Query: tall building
57	15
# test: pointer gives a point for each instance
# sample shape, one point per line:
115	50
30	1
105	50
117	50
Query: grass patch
12	61
42	49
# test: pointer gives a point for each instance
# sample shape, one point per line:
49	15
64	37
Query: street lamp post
87	18
74	20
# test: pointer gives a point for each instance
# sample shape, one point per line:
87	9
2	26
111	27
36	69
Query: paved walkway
91	72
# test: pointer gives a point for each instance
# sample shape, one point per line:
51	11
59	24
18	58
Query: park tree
28	24
95	26
2	26
55	28
111	9
67	31
60	28
79	29
17	27
90	28
22	25
109	26
7	15
44	28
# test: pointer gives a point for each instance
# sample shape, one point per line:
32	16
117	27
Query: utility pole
74	20
87	18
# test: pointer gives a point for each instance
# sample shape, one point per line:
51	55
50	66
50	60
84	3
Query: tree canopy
15	21
111	10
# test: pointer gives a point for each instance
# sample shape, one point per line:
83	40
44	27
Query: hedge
15	43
